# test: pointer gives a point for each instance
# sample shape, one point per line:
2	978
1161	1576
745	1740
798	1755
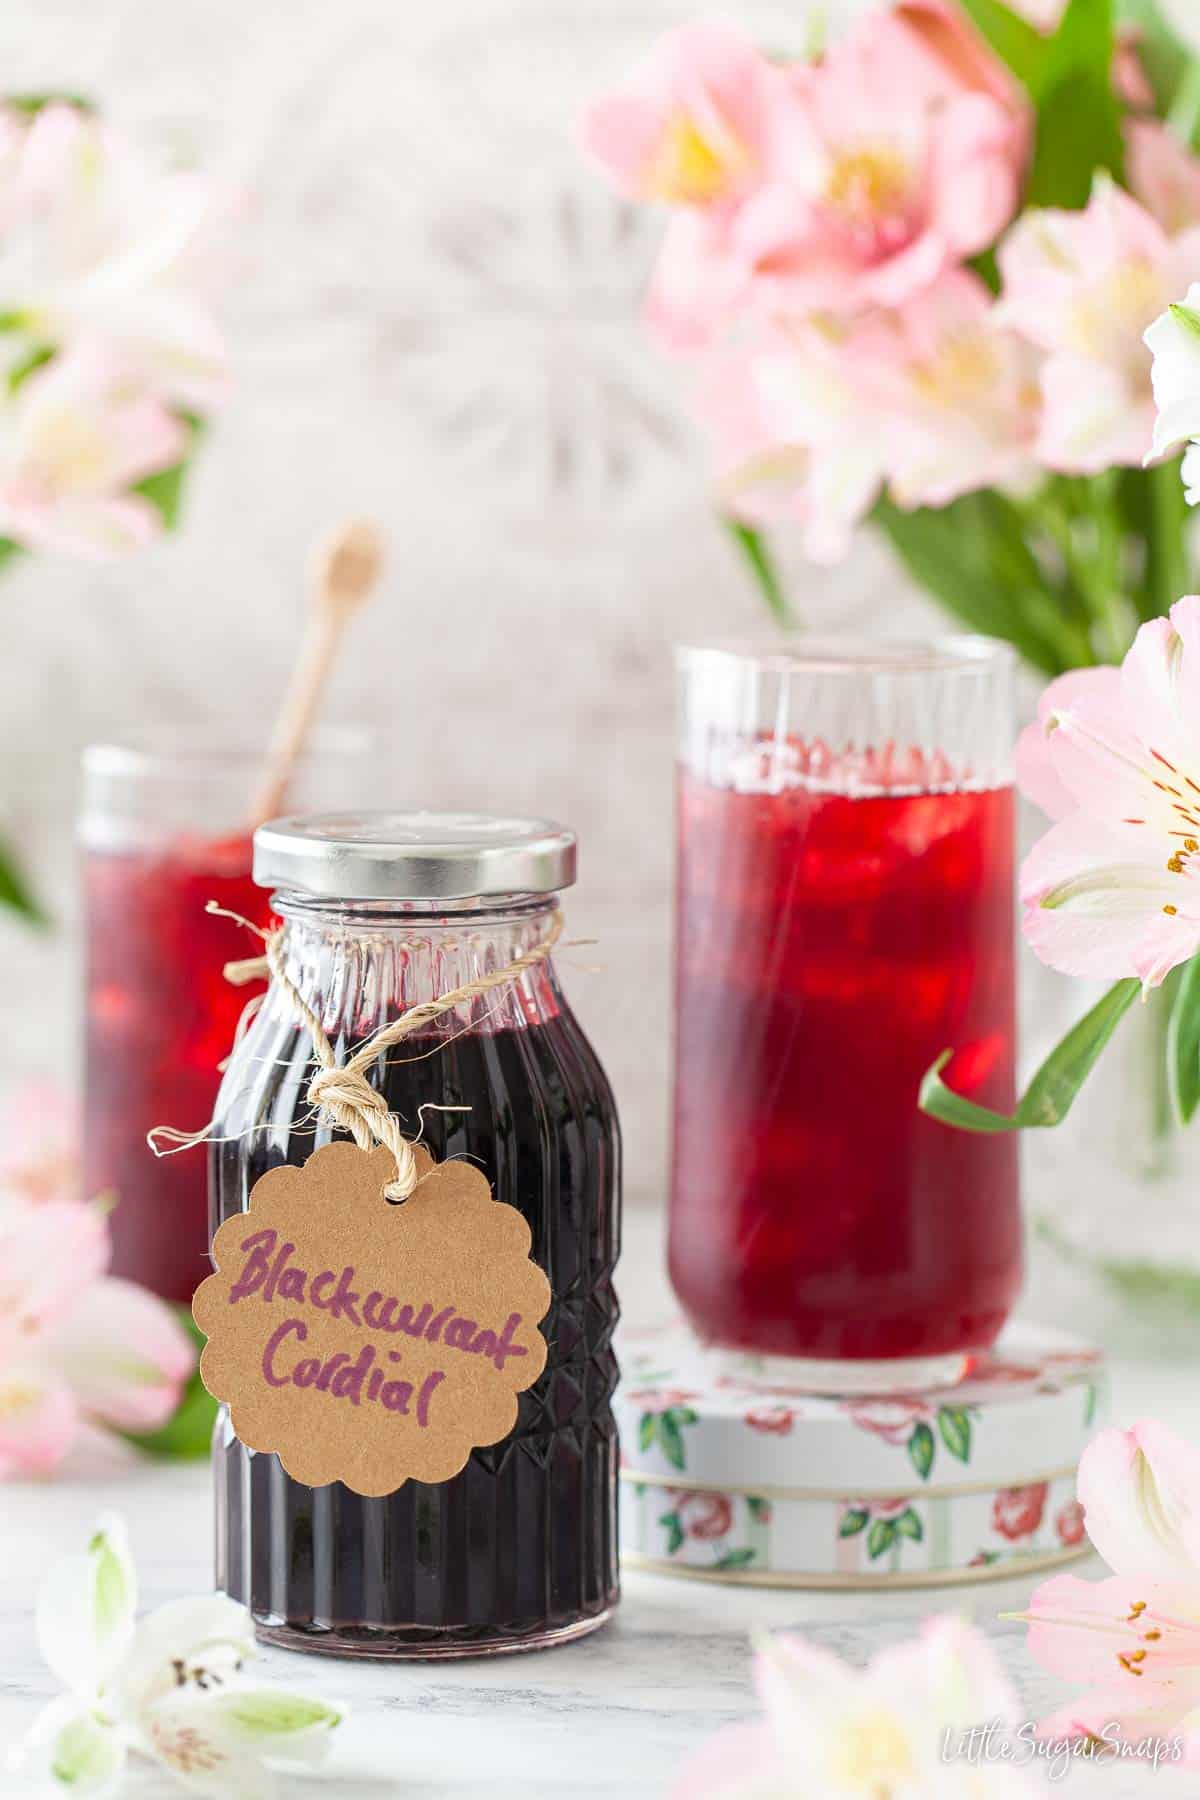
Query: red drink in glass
160	1018
163	833
830	945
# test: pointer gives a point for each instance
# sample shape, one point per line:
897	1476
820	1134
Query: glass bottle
845	914
383	912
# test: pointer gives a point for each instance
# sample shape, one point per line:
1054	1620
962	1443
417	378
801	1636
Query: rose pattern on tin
717	1455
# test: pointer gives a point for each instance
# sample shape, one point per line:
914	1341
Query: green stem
1095	574
1184	117
753	546
1168	571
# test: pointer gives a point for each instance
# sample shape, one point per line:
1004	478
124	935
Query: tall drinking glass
164	830
845	914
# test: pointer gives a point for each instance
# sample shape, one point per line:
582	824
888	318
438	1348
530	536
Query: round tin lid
413	856
728	1476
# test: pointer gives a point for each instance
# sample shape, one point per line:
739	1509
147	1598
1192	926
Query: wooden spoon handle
345	571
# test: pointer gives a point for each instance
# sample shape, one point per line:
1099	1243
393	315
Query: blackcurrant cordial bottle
381	913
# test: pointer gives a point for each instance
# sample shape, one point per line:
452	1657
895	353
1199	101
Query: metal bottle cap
413	856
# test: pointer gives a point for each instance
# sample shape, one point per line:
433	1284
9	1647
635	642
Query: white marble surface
613	1715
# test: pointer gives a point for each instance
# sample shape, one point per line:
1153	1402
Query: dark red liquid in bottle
160	1018
520	1549
829	948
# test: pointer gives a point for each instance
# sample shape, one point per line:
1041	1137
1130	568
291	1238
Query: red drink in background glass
163	831
830	944
160	1018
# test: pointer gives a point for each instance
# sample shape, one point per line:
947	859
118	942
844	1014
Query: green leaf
683	1415
973	558
31	104
15	892
675	1533
735	1559
671	1439
255	1714
757	1508
881	1537
753	546
647	1430
1015	41
954	1424
1159	52
112	1597
909	1525
165	491
187	1434
1183	1044
28	365
853	1521
86	1755
1052	1092
1154	509
920	1450
1171	1293
1078	117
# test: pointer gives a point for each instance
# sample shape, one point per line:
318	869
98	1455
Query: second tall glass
845	914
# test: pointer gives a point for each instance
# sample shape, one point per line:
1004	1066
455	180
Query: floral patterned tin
729	1475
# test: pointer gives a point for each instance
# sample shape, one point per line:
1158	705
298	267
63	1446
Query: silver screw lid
412	856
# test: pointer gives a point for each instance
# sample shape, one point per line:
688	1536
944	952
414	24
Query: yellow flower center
868	183
873	1757
15	1399
1116	311
689	170
965	368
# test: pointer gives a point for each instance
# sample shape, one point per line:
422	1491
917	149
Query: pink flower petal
1090	691
1123	1633
124	1354
1140	1491
1163	174
50	1253
38	1422
1160	695
735	1764
1093	903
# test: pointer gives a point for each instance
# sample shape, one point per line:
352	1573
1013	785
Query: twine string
343	1092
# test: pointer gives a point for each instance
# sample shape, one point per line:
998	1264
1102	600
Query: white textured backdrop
438	325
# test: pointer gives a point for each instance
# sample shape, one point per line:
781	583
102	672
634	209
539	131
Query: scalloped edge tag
367	1343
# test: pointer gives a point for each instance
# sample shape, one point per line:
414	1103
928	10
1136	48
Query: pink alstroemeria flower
694	124
952	396
832	1730
1134	1637
904	157
78	1348
75	439
952	393
1084	286
1163	174
1113	889
39	1144
80	1351
784	425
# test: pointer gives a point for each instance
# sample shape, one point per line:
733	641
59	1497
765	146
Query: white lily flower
1174	340
86	1612
170	1688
